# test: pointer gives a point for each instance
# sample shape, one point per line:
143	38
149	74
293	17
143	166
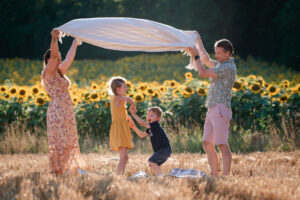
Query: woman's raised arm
64	66
54	59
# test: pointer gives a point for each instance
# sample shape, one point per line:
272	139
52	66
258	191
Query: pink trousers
216	127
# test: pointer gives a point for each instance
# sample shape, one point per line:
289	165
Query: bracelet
197	57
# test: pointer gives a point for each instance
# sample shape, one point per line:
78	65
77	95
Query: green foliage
145	67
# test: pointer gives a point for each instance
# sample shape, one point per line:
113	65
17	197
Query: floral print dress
64	153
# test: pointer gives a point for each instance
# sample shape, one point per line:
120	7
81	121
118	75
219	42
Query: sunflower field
256	103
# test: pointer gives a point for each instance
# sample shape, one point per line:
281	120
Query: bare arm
202	71
132	126
126	99
54	55
64	66
138	119
131	122
139	132
205	58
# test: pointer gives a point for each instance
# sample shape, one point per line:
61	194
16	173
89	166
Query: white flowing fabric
129	34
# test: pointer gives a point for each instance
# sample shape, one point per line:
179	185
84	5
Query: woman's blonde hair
114	83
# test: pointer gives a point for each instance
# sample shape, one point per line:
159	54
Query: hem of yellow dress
116	149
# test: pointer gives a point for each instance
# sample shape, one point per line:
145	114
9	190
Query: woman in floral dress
64	153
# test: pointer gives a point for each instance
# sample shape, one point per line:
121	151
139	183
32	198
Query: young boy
159	139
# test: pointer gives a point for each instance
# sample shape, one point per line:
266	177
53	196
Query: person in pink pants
222	73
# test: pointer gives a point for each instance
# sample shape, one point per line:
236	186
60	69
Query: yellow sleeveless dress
119	135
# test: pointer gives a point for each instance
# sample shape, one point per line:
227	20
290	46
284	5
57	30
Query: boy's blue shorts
160	156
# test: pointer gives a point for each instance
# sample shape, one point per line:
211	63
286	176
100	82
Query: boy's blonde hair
114	83
157	111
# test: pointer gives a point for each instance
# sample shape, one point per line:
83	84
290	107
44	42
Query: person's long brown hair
46	56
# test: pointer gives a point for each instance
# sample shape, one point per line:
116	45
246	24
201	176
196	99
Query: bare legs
123	160
226	157
213	158
155	168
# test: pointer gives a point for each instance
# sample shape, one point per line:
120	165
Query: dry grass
254	176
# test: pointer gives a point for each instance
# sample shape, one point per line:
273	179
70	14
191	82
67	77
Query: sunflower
188	75
142	87
243	79
162	89
285	85
173	83
7	96
155	95
166	82
3	89
273	90
150	92
75	100
259	77
252	77
104	94
261	81
86	96
286	82
189	90
13	91
264	93
201	91
42	94
94	96
74	93
283	98
237	86
107	104
186	94
266	85
175	92
296	89
138	98
155	83
29	97
255	88
130	90
22	92
35	90
129	85
40	101
94	86
131	95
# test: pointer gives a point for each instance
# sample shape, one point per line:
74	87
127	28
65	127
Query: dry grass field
270	175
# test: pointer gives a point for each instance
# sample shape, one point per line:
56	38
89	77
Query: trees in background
265	29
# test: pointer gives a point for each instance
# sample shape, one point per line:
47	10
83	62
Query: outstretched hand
191	51
54	34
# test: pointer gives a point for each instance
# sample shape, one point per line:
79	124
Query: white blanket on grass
129	34
175	172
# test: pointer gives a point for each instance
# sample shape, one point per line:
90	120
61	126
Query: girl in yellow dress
120	136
